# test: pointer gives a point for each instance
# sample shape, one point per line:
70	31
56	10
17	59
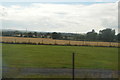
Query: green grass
45	76
48	56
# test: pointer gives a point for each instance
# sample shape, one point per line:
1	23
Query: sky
58	0
75	17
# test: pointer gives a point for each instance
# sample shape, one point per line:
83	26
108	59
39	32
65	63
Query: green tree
118	37
107	35
82	37
36	34
56	35
30	34
91	36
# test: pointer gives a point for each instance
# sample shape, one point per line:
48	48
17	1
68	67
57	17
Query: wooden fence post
15	40
73	66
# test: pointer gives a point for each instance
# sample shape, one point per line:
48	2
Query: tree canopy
107	35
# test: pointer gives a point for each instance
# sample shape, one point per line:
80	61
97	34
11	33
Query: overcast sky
60	17
58	0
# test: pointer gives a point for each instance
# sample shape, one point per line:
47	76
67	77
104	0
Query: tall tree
107	35
118	37
92	36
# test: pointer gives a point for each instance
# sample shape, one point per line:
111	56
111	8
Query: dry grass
58	42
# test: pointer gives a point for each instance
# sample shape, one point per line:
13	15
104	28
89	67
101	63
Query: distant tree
79	37
30	34
82	37
118	37
56	35
65	38
48	35
92	36
107	35
36	34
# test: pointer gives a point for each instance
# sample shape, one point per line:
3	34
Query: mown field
49	56
57	42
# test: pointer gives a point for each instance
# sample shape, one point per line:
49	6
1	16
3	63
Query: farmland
57	42
49	56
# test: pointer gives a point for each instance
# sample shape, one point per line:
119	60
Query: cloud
60	17
58	0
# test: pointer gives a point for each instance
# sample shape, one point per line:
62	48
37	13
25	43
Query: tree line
106	35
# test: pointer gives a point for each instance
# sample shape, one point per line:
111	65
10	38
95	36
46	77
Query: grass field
48	56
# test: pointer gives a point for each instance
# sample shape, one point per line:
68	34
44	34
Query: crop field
57	42
49	56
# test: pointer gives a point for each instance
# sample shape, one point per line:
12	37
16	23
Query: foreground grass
44	76
48	56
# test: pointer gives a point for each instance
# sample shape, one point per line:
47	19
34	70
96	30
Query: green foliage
30	34
56	35
107	35
92	36
118	37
